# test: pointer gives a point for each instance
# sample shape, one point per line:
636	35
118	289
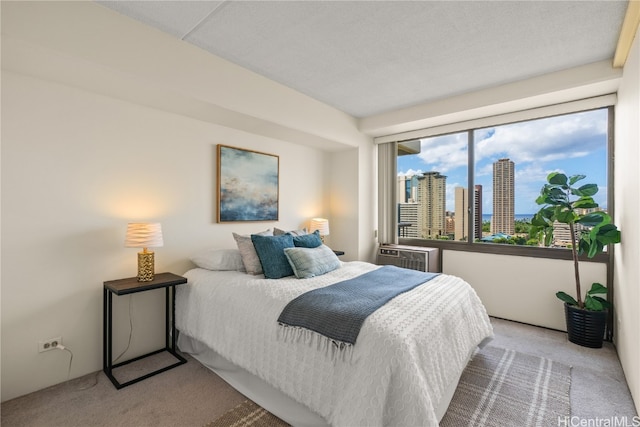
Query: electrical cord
61	347
130	331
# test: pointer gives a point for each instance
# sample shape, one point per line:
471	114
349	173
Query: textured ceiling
366	58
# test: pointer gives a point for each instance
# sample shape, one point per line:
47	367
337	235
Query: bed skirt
270	398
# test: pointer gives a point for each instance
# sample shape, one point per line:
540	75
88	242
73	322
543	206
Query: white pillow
278	232
219	260
310	262
248	253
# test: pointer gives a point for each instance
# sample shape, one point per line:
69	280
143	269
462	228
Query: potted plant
565	203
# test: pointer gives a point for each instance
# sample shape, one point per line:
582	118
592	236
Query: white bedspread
407	352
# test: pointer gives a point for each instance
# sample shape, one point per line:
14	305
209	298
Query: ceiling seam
205	18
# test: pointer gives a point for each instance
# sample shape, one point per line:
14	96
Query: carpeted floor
191	395
498	388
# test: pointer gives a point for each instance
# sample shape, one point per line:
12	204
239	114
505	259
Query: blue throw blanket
338	311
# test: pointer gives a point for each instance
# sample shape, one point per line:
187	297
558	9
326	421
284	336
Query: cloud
553	138
573	143
410	172
444	153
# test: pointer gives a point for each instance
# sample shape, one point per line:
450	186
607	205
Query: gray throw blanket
338	311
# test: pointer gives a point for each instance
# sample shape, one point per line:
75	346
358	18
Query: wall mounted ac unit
412	257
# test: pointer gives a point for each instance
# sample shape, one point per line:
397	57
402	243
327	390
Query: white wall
521	288
93	137
482	270
627	193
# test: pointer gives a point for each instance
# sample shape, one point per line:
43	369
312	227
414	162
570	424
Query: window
505	166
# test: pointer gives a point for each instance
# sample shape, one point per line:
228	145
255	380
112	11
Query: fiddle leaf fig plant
566	203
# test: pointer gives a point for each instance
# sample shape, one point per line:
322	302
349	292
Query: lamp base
145	266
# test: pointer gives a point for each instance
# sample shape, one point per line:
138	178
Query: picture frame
248	185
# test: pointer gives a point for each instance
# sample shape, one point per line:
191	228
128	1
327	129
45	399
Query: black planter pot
585	328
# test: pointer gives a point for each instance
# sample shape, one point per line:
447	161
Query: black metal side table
130	285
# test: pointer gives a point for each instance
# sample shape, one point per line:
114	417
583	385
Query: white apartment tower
503	220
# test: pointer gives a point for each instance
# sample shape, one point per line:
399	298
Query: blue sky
572	144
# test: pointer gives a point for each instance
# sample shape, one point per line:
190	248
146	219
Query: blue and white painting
247	185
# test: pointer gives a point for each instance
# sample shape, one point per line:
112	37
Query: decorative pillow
219	259
278	232
248	253
310	262
312	240
270	250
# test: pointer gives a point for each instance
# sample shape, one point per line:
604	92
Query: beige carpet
192	396
498	388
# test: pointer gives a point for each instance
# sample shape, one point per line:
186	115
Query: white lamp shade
143	235
320	224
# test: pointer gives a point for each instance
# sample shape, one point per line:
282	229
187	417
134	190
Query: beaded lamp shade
144	235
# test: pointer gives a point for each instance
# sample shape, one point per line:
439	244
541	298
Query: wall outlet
49	344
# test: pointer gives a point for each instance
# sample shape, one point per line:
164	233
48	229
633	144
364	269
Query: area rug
498	388
247	414
503	387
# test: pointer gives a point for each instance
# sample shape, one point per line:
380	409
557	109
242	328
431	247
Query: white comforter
406	355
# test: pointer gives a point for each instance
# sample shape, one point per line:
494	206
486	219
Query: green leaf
583	246
566	298
595	248
585	202
576	178
557	178
608	234
596	289
539	220
594	219
556	195
593	304
588	189
565	216
604	302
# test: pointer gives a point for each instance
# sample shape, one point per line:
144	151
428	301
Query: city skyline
573	144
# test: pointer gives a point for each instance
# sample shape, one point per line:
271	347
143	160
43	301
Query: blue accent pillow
310	262
312	240
270	250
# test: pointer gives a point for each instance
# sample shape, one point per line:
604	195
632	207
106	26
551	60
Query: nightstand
130	285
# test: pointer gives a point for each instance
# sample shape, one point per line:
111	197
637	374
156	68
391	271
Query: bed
403	369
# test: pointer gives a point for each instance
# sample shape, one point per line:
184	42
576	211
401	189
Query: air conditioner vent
412	257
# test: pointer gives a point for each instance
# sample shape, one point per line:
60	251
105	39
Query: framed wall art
247	185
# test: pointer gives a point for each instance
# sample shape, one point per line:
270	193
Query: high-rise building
462	213
407	206
408	220
477	208
503	220
406	189
450	223
432	199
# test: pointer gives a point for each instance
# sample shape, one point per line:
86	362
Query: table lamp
144	235
320	224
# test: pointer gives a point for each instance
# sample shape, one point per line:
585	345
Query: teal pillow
312	240
270	250
310	262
